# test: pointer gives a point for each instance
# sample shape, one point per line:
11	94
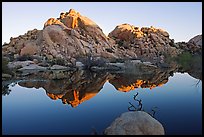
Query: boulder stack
150	44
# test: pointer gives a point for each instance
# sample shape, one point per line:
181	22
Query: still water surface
41	107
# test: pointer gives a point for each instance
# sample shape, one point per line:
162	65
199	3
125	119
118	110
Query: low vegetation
5	68
184	60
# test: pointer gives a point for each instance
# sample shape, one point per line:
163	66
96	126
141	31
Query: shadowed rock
135	123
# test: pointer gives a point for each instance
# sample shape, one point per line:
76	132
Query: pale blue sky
183	20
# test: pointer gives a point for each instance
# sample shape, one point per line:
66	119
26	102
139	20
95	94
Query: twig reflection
139	104
132	107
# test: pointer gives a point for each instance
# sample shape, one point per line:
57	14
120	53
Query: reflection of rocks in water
145	78
75	89
196	70
5	90
5	87
51	86
85	86
123	84
192	64
196	74
78	86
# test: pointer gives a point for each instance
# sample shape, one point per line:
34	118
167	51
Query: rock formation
69	37
135	123
72	37
194	45
197	40
73	40
150	44
21	45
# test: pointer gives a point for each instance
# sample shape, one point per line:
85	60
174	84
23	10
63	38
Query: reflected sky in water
32	111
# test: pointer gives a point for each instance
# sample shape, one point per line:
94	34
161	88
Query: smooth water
36	107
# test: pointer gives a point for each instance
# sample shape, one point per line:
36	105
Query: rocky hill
73	38
69	37
150	44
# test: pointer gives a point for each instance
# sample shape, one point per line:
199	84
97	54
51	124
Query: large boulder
19	64
195	45
135	123
197	40
30	48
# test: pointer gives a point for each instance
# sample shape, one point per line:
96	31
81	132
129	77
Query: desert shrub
57	61
118	60
5	68
90	61
185	60
120	43
60	61
167	58
109	50
10	56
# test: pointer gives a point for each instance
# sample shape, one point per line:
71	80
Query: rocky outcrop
22	45
193	46
69	37
150	44
19	64
73	37
135	123
197	40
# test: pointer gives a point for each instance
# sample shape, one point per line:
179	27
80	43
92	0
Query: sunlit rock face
145	43
73	35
